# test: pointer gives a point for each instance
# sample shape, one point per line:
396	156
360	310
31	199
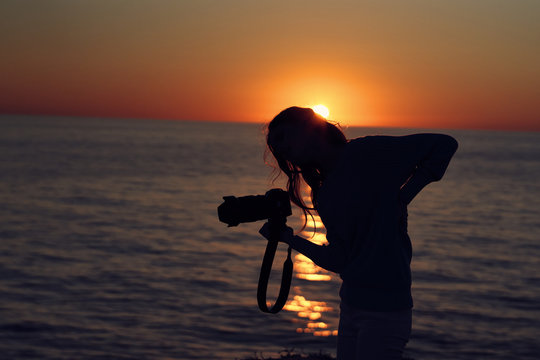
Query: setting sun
321	110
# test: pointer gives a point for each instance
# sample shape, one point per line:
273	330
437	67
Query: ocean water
110	246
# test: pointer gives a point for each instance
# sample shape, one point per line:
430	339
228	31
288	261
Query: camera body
275	204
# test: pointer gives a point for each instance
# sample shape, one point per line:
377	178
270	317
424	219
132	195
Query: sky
416	64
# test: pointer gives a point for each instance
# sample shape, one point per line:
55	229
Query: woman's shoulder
359	141
370	139
381	141
364	143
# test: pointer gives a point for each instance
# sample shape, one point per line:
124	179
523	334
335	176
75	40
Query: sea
111	247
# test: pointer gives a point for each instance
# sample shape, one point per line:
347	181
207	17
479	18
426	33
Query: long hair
311	175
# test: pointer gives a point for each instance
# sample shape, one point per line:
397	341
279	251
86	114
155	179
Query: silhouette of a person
360	188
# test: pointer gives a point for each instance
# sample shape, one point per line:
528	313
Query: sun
321	110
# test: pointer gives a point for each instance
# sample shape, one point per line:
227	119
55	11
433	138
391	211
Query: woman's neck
329	158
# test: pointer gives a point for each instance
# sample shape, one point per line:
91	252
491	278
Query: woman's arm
429	156
325	256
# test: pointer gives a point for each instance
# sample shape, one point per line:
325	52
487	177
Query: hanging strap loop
275	227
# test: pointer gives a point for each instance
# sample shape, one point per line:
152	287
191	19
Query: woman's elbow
450	143
446	149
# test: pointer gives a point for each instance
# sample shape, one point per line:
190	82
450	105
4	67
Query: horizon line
344	126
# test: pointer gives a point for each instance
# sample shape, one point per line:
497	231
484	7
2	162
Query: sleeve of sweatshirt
423	158
328	257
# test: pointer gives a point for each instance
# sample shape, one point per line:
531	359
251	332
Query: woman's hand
286	233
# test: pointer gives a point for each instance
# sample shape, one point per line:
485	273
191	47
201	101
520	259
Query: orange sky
431	63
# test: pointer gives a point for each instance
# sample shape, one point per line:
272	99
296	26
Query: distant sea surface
110	246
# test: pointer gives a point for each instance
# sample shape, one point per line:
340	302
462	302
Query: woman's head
298	135
298	139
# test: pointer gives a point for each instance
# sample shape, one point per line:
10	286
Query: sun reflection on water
307	270
310	313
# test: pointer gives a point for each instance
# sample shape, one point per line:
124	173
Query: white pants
368	335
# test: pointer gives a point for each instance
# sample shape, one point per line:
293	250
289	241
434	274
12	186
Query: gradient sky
432	63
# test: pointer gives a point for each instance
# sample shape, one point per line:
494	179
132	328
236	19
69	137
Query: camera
275	204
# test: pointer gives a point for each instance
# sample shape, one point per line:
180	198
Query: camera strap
266	268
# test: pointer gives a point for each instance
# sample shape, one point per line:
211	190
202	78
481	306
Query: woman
360	188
